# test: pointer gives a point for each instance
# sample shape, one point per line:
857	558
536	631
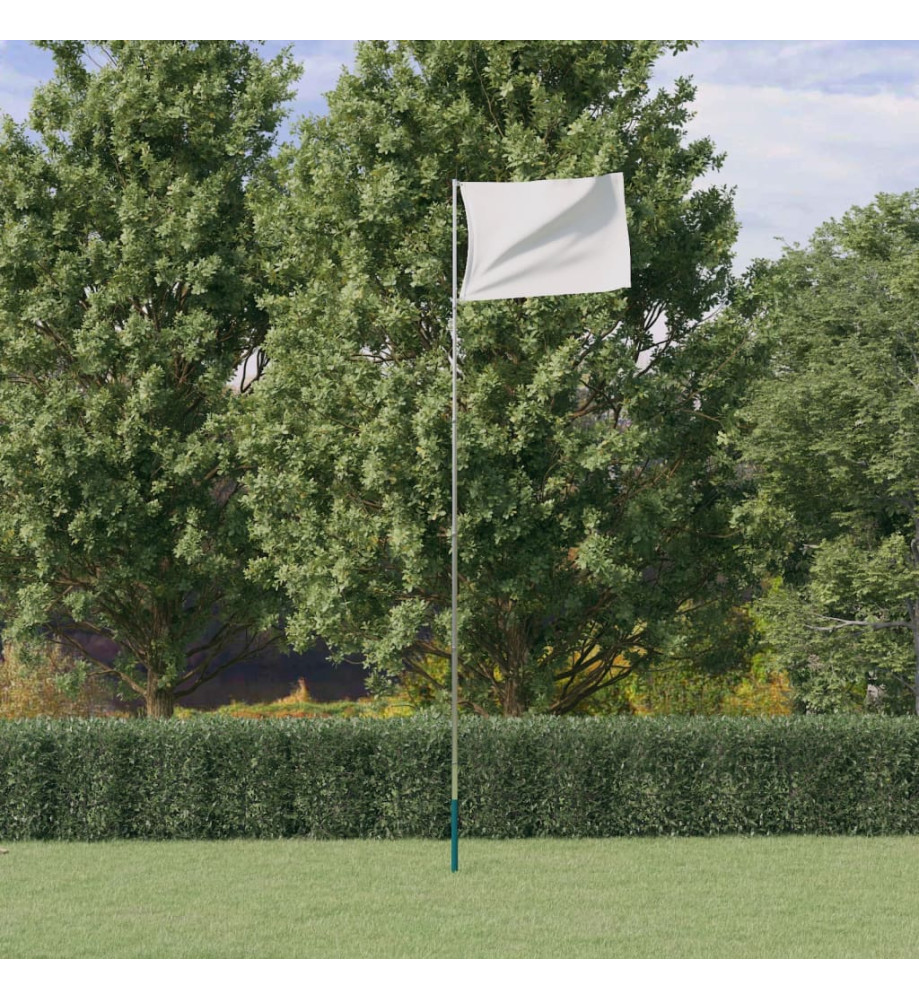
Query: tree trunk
514	689
511	704
160	701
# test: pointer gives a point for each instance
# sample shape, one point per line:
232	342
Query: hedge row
588	777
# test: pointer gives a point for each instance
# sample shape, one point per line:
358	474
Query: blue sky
809	128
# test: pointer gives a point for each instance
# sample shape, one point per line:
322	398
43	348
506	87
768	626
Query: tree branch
849	623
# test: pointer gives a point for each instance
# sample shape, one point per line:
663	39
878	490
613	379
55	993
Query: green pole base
454	835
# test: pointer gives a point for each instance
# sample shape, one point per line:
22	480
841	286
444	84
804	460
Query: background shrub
220	777
34	683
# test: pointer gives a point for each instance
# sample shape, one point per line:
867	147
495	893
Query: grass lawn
728	897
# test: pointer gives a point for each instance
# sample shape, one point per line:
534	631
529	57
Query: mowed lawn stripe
730	897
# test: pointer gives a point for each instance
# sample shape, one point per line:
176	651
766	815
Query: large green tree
593	532
128	296
832	435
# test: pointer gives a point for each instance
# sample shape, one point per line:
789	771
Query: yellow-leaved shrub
31	687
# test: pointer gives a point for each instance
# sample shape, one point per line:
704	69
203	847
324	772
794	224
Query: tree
593	532
832	435
128	296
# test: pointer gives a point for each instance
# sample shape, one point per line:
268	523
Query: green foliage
537	776
758	689
832	434
128	287
296	708
594	508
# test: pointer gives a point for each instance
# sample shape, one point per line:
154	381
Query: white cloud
15	91
809	128
22	68
832	67
798	158
321	70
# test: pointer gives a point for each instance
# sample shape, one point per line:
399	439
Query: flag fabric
559	237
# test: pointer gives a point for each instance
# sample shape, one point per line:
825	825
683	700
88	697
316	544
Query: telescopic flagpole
454	683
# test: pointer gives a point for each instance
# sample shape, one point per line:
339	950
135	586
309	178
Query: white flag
560	237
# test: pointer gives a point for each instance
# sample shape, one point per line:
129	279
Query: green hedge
588	777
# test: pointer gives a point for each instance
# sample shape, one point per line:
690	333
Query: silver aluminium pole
454	672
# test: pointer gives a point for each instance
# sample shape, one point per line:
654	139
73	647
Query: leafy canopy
832	432
593	515
128	296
